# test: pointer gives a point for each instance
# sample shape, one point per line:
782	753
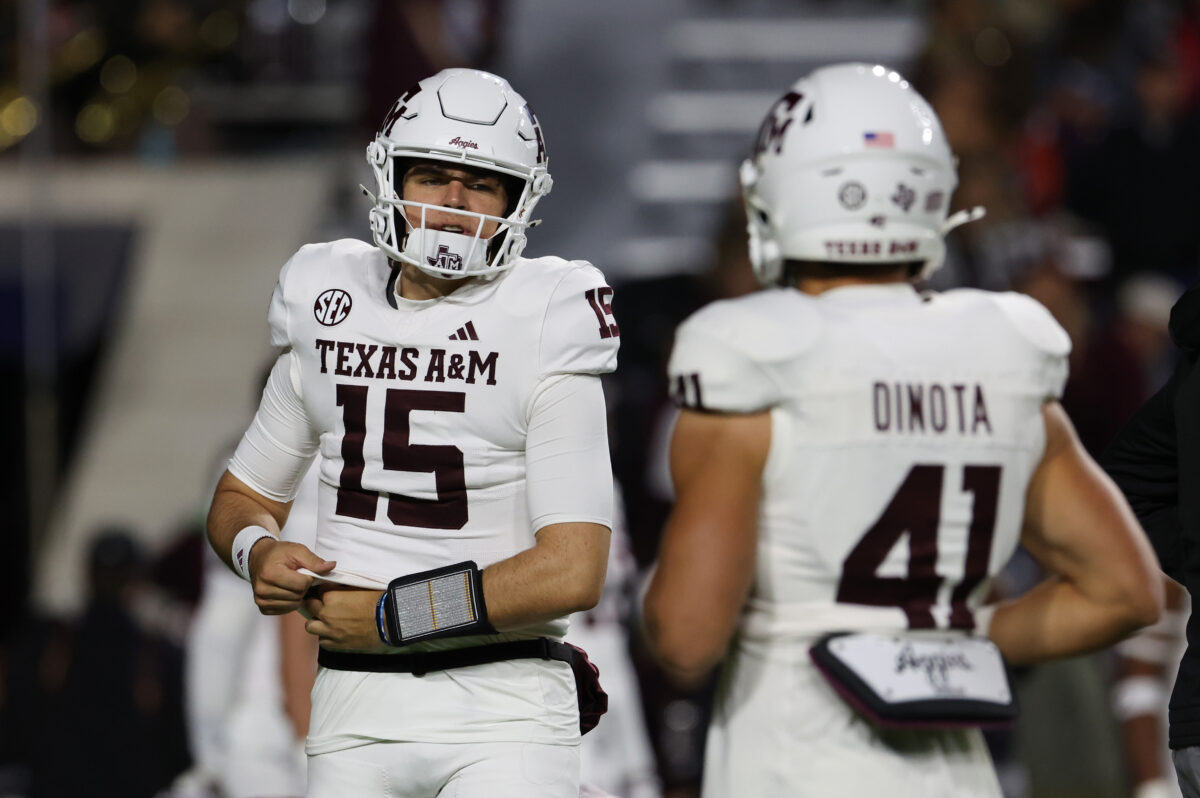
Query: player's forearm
690	612
1056	619
235	507
685	644
562	574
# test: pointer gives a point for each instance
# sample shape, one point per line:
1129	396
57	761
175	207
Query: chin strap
965	216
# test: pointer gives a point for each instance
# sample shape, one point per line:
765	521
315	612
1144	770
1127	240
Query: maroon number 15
449	509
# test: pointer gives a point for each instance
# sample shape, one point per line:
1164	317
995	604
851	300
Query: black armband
444	602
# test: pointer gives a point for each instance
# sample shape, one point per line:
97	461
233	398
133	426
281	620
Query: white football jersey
422	406
905	431
423	410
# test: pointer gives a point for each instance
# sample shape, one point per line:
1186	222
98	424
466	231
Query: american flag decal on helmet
879	139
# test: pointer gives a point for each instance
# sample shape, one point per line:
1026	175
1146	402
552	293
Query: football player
856	457
241	738
452	389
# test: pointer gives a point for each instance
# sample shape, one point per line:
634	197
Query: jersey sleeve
568	472
280	443
579	332
1047	337
713	371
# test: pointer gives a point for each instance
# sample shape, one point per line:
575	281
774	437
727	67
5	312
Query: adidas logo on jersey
465	333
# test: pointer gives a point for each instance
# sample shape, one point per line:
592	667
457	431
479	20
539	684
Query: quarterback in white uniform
452	389
853	462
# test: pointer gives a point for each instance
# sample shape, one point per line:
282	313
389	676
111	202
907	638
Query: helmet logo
332	307
398	109
852	195
776	124
904	197
466	145
446	260
537	131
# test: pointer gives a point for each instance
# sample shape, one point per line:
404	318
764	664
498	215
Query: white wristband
242	544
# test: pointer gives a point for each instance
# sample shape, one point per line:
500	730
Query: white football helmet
467	118
851	166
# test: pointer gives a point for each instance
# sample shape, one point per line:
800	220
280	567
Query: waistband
419	663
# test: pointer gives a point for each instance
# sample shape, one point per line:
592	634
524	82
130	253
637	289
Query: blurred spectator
101	687
1116	365
1141	182
1143	305
415	38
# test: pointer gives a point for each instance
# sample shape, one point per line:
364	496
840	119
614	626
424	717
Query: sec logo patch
332	307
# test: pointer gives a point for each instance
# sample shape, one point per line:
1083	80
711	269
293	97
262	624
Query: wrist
243	544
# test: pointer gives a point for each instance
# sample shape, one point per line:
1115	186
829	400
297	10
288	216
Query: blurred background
161	159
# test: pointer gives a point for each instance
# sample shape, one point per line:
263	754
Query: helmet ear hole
376	154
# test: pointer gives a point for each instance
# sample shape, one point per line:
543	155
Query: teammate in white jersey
854	456
242	731
452	389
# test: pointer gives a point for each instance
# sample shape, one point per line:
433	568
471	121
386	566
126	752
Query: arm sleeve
579	333
708	372
280	444
568	473
1143	461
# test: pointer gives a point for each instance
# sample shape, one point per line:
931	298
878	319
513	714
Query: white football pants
446	770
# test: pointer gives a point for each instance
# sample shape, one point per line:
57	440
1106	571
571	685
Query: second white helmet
468	118
850	166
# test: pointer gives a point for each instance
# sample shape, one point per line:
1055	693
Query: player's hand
278	588
343	618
